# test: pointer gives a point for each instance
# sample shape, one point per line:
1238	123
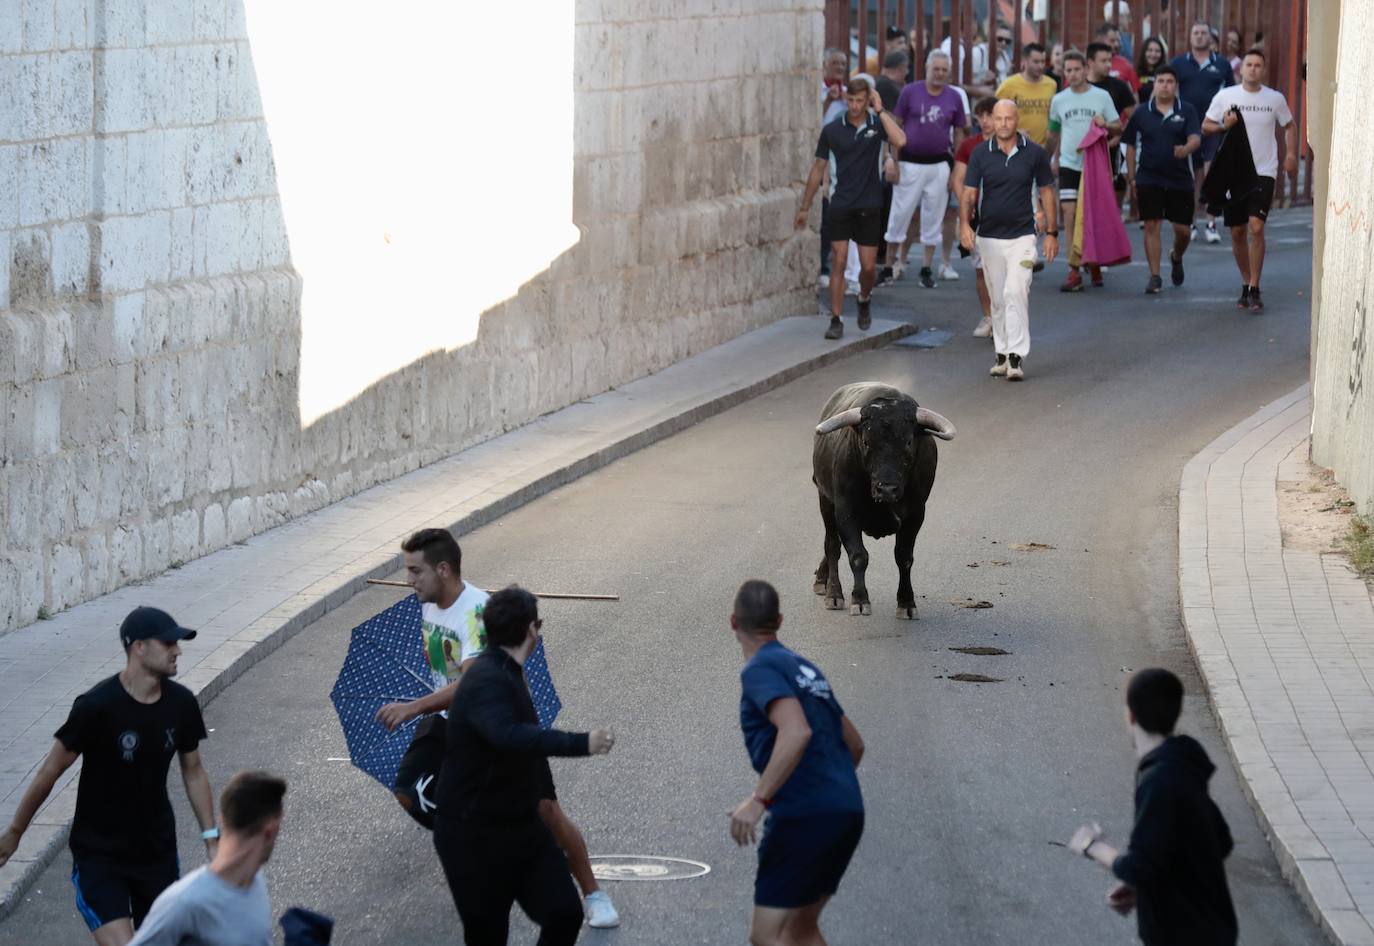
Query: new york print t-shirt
1071	115
453	634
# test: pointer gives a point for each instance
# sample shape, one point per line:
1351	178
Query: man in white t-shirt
1264	109
225	903
452	635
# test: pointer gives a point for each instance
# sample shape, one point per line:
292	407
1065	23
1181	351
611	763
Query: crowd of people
905	161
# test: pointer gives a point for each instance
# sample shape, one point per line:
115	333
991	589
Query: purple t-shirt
927	120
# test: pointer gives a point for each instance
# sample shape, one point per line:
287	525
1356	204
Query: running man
806	751
932	114
1002	176
1202	73
126	729
453	636
851	146
1072	112
1164	132
1265	109
982	113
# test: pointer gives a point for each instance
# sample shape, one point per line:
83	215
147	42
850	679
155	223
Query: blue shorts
109	890
802	860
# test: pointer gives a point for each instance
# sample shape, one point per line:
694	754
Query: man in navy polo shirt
852	146
806	751
1163	132
1002	176
1202	73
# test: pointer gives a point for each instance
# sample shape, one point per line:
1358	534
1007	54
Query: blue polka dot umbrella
386	664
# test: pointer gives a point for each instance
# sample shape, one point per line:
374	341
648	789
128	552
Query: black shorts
1160	203
1239	212
418	776
1068	183
802	860
1204	155
108	889
862	225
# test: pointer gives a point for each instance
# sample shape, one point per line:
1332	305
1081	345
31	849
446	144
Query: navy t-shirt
824	781
856	161
1005	211
1199	84
1154	135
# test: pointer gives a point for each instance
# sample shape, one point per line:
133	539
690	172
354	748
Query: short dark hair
1105	28
756	607
1095	48
897	59
985	105
250	800
1254	51
437	545
858	84
1074	55
1029	48
1166	70
507	616
1155	699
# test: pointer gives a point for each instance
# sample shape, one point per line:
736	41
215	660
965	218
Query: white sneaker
851	288
824	281
984	329
948	272
1212	235
600	911
999	369
897	269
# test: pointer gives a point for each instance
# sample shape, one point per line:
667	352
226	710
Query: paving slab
1284	638
249	598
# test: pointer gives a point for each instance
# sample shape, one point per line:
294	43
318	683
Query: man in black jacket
494	848
1172	871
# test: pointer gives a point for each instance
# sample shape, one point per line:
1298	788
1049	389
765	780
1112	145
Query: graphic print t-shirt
1263	111
126	747
453	634
824	781
928	119
1033	102
1071	115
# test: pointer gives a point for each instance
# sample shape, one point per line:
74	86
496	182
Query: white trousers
1007	266
923	185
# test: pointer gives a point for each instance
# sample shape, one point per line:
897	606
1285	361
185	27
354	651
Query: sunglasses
1004	39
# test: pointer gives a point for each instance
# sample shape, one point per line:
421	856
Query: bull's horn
849	418
933	422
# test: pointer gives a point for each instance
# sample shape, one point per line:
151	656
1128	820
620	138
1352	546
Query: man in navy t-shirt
805	750
1202	73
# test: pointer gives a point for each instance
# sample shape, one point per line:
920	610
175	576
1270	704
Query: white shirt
1263	111
980	61
205	910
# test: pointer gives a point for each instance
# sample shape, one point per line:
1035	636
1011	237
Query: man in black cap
126	728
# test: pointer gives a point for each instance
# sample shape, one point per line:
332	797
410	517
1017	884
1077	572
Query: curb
232	659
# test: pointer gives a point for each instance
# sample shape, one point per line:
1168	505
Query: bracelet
210	834
1053	233
765	802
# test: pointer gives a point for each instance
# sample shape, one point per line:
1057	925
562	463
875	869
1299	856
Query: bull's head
887	430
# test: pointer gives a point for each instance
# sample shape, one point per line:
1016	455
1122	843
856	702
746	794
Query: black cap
152	624
894	31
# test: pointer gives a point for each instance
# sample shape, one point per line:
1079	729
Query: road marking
646	867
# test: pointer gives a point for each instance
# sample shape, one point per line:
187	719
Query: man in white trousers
1002	176
933	116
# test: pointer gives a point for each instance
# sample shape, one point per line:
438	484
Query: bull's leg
853	539
904	553
828	575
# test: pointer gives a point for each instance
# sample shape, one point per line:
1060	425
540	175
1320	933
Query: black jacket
1232	177
494	760
1178	845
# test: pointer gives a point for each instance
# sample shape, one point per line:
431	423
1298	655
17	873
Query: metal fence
1279	27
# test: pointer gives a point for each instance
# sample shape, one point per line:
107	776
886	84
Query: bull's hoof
855	610
819	587
834	603
906	614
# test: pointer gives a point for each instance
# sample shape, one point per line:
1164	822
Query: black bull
873	464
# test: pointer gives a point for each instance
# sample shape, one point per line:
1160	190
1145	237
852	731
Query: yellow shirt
1033	101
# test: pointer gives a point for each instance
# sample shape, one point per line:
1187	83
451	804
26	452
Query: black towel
1232	177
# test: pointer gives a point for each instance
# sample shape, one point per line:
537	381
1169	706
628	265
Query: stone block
71	258
6	357
11	34
122	97
143	190
71	93
40	30
9	184
181	263
23	499
171	21
95	558
21	587
55	513
190	92
122	265
115	464
30	267
235	21
167	467
86	486
72	24
185	536
240	519
88	407
157	546
214	533
93	336
66	576
126	556
128	337
47	416
209	18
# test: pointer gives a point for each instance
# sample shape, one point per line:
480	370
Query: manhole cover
646	867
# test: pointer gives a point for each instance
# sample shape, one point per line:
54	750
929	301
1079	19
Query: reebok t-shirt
1264	111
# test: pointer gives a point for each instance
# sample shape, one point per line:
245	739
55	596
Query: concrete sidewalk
246	600
1285	641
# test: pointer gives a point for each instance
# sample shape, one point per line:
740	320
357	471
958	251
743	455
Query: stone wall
1343	357
150	316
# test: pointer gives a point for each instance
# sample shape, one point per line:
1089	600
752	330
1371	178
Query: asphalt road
965	783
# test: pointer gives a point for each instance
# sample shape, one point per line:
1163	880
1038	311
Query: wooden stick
537	594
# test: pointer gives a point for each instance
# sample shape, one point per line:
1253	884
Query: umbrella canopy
386	664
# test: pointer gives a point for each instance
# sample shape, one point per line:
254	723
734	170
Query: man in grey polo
1001	178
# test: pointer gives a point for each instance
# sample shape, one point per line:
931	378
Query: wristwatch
1053	233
